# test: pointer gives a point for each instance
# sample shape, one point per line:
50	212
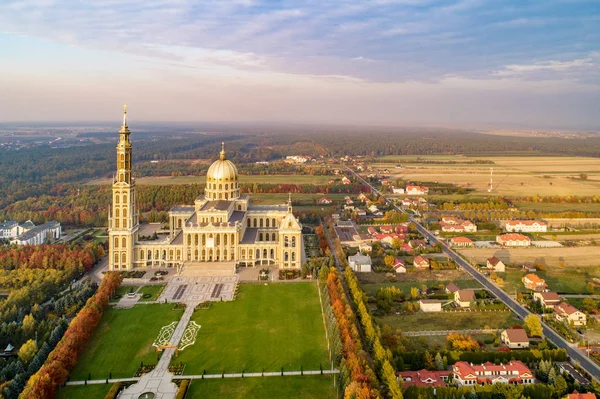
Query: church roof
219	205
182	208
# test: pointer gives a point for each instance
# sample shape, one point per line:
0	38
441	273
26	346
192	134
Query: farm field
302	387
568	257
96	391
449	320
274	179
514	176
266	328
572	280
119	345
553	207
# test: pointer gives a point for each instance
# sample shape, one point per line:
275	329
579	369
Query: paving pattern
199	289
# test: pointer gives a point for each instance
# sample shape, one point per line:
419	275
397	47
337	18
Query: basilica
221	229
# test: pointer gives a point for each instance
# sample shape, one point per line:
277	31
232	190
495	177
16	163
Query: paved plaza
192	290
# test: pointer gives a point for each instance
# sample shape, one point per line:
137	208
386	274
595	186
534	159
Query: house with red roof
424	378
401	229
577	395
464	298
569	314
496	264
548	299
515	338
399	266
386	229
420	262
534	282
412	189
324	200
372	230
451	288
513	240
513	372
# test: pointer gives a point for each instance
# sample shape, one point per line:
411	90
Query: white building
398	190
430	305
526	226
39	234
9	229
360	263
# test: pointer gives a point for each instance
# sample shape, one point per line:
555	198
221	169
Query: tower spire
290	202
124	115
223	151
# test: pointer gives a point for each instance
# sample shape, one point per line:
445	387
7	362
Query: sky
362	62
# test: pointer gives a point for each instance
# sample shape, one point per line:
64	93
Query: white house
398	190
39	234
496	264
399	266
515	338
360	263
430	305
463	298
513	240
412	189
526	226
547	299
569	314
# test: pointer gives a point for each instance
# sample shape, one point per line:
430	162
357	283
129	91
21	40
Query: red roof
577	395
462	239
517	335
469	371
565	308
424	378
525	222
514	237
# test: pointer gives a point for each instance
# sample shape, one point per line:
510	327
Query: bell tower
123	219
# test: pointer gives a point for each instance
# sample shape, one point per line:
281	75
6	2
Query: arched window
124	212
293	256
125	223
203	239
226	196
273	222
273	237
220	186
254	222
225	254
178	254
123	258
224	239
232	238
117	223
261	222
116	258
249	223
239	207
265	253
287	257
124	242
267	223
117	198
212	219
149	255
243	253
189	239
260	237
220	196
257	253
124	198
293	242
196	254
195	239
116	242
171	255
286	241
142	254
117	212
272	254
226	186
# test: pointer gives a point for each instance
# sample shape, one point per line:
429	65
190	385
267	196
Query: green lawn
97	391
153	290
449	320
267	326
123	340
405	286
567	280
300	387
125	289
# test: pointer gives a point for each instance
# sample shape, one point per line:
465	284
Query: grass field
513	175
301	387
125	289
568	280
551	207
97	391
449	320
405	286
273	179
153	290
266	327
123	340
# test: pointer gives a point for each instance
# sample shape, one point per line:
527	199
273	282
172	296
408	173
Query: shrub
114	391
183	387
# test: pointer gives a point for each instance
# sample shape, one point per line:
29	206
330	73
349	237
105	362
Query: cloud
552	66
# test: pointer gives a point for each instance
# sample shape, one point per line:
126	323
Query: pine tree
552	376
439	362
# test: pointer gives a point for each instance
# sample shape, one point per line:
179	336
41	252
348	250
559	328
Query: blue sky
382	62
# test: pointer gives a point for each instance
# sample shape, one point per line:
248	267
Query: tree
552	376
414	292
429	362
588	304
560	386
389	260
533	325
29	324
27	351
439	362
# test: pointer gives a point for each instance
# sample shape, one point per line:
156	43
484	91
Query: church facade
221	227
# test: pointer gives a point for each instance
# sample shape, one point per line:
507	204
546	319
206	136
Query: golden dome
222	170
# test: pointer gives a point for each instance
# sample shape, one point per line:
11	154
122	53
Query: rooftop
219	205
182	209
517	335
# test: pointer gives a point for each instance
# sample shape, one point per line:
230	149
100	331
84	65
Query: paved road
588	365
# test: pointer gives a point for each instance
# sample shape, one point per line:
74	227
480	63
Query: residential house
420	262
513	240
451	288
515	338
526	226
412	189
461	242
513	372
399	266
569	314
361	213
398	190
424	378
389	238
401	229
372	230
534	282
496	264
360	263
345	180
373	208
464	298
362	197
386	229
324	200
417	244
548	299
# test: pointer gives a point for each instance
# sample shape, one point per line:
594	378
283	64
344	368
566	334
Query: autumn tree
533	325
27	351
